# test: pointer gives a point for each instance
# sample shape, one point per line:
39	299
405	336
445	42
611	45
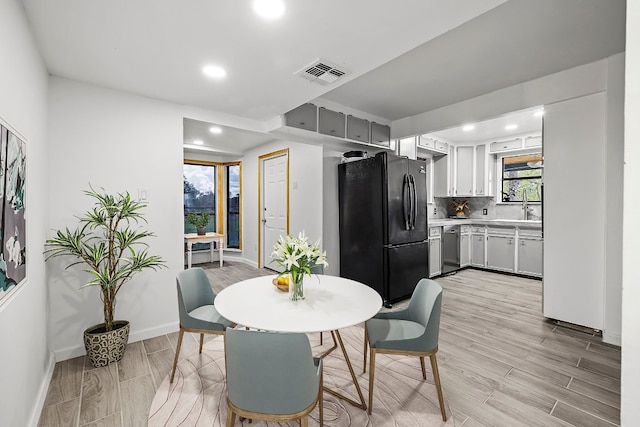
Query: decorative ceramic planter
106	347
201	231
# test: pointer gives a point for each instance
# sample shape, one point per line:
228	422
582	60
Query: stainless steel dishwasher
450	248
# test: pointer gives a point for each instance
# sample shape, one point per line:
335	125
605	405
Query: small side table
192	238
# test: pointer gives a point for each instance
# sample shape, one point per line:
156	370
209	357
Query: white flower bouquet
298	256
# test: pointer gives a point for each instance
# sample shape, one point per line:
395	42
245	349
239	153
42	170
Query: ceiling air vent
322	72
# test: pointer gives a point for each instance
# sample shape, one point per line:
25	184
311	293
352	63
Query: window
522	176
200	196
233	205
214	188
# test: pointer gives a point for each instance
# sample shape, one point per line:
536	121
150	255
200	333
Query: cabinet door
464	171
480	169
501	253
303	117
465	249
331	122
357	129
435	259
477	250
441	176
530	257
512	144
380	134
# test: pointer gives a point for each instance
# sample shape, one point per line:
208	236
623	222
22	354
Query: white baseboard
609	338
42	392
76	351
204	259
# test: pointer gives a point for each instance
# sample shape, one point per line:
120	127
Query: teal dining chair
411	332
271	377
195	308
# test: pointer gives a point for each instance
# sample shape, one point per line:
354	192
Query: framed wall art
13	262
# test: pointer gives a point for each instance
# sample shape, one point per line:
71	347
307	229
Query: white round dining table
331	303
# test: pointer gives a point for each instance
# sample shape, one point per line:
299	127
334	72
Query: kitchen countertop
439	222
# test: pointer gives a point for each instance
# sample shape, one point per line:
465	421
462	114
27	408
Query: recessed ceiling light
214	71
198	142
468	128
215	129
269	9
511	127
539	113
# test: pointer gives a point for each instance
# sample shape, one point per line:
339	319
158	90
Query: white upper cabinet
431	145
481	170
464	171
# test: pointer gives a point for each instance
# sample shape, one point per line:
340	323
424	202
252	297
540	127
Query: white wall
574	238
122	143
26	365
567	84
630	415
331	160
305	192
614	153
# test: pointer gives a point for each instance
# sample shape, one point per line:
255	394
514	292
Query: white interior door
274	205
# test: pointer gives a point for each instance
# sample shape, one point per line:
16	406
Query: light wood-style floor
501	363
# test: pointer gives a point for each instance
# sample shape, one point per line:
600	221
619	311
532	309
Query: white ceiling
405	58
493	129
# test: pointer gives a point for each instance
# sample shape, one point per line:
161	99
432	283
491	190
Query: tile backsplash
495	210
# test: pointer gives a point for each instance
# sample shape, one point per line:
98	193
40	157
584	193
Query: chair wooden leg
372	366
436	376
364	352
304	421
231	417
424	372
175	360
201	341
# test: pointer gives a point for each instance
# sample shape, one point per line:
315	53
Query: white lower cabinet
465	246
501	248
477	250
530	256
501	253
435	257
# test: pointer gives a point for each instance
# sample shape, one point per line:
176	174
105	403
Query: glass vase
296	288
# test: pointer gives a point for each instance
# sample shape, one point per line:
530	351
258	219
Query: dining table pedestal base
340	343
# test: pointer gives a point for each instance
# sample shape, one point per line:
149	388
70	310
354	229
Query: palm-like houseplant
111	247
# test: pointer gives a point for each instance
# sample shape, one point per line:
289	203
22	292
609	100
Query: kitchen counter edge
440	222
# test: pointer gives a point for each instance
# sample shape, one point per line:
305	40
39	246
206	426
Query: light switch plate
143	195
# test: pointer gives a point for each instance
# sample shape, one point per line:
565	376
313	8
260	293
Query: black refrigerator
383	224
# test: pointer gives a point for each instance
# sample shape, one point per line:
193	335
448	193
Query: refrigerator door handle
406	210
414	202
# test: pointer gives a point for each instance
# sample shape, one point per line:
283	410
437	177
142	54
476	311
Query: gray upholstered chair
412	332
196	310
271	376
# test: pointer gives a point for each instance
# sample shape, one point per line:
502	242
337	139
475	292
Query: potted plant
200	221
109	244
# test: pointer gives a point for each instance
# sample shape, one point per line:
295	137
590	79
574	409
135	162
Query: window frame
221	208
499	168
226	175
